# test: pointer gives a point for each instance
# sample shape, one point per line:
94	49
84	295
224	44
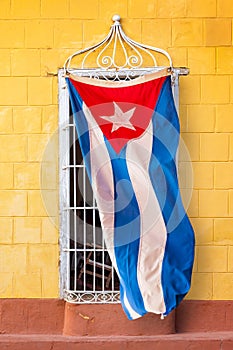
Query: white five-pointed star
120	119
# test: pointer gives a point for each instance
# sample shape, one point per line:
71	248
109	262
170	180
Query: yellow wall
36	37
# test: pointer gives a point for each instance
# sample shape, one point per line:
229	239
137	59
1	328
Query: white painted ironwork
86	273
133	53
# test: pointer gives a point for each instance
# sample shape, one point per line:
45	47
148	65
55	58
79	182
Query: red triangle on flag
122	113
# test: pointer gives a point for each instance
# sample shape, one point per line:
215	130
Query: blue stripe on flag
127	231
179	252
81	125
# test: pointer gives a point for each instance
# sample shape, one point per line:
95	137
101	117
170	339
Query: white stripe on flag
153	231
103	188
102	180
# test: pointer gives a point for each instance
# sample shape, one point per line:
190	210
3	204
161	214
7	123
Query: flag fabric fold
129	135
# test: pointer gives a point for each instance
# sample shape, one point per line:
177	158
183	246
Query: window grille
86	272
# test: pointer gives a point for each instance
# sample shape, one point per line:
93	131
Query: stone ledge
204	316
53	316
194	341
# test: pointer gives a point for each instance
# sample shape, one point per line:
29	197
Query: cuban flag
129	134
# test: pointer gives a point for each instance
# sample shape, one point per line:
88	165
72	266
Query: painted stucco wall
36	37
